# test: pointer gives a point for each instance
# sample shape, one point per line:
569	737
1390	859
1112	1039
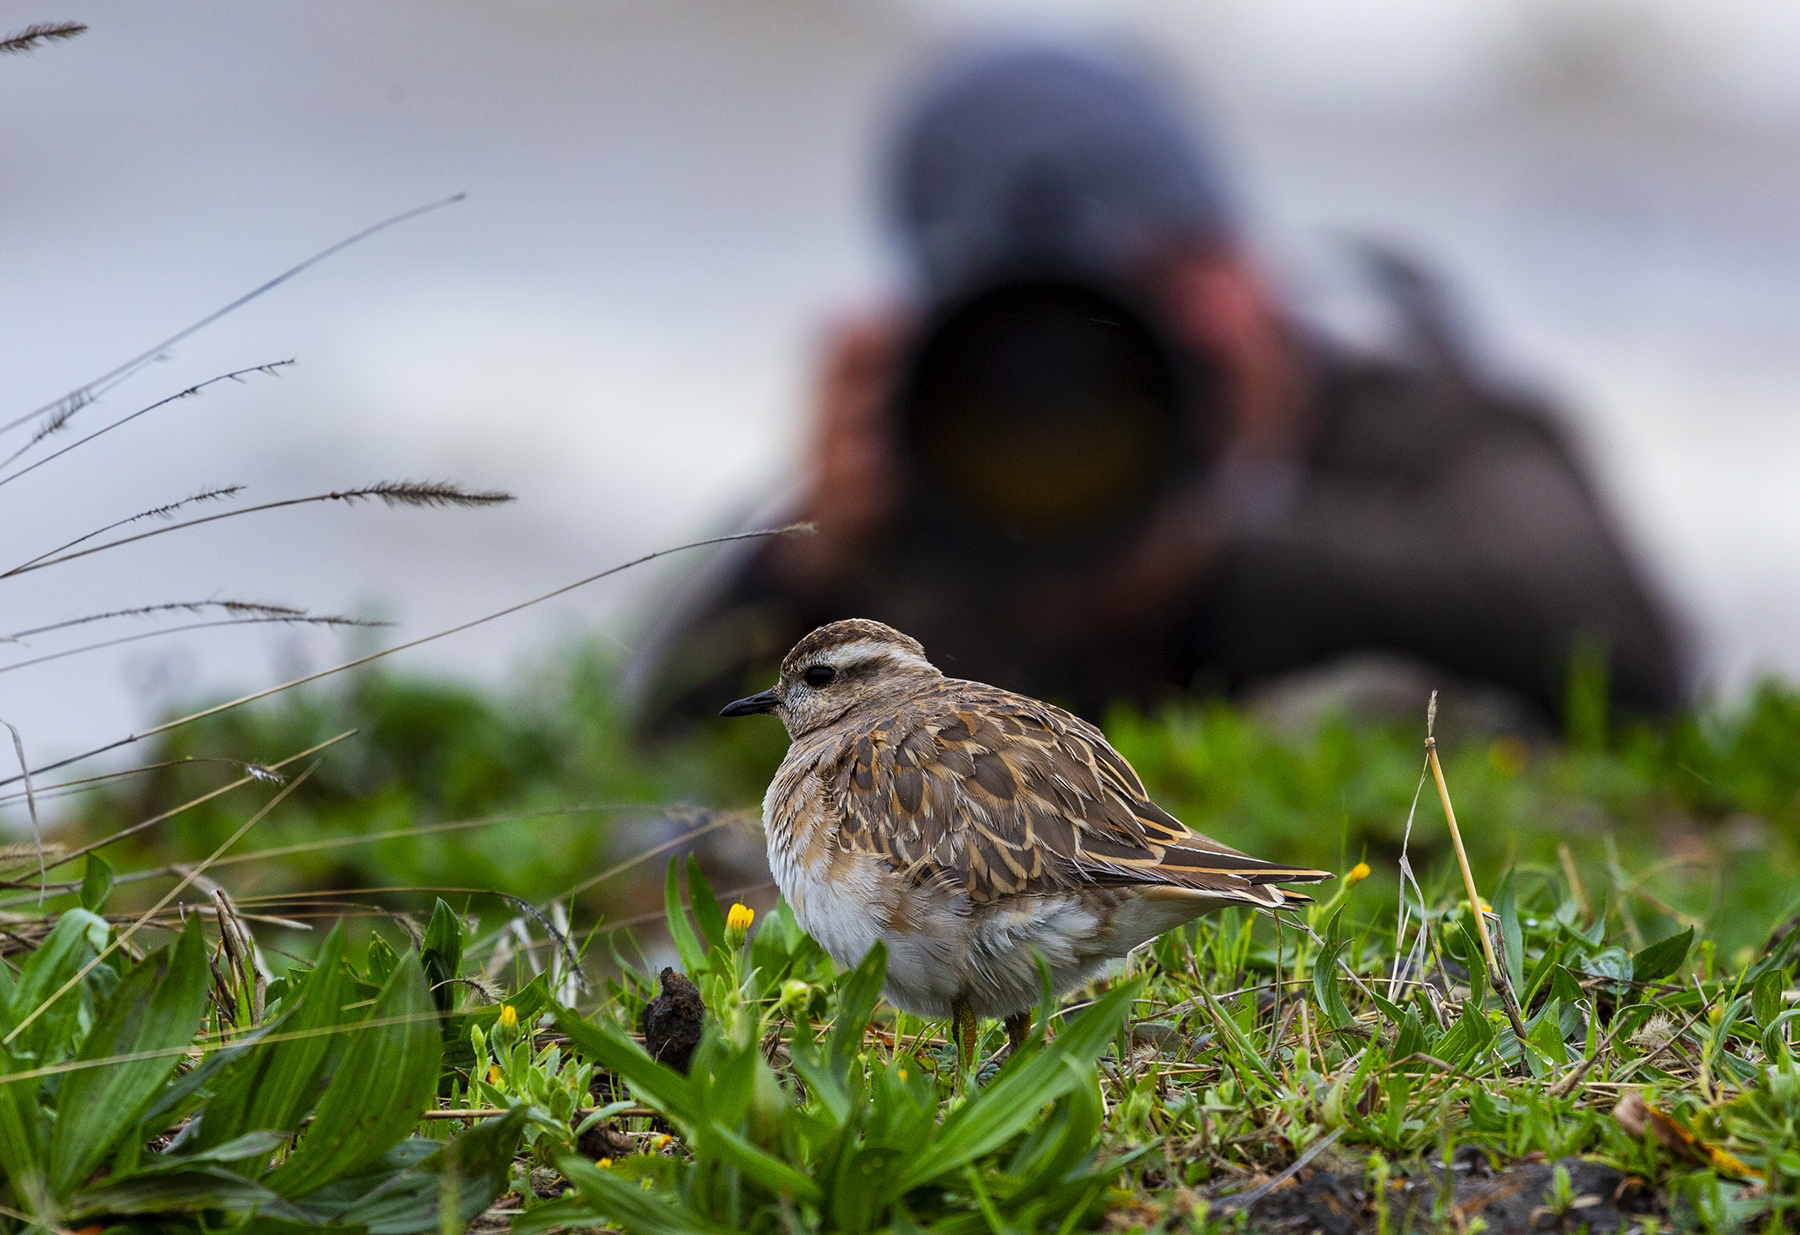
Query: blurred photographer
1093	459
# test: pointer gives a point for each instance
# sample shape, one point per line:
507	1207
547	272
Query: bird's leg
1018	1028
964	1032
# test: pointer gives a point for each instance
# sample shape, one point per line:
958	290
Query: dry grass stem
83	395
60	420
124	936
393	493
39	33
327	621
792	529
240	608
37	832
247	779
156	512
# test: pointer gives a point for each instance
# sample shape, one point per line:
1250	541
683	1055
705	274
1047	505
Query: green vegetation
447	1068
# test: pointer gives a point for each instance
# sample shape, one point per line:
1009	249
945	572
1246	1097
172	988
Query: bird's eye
819	675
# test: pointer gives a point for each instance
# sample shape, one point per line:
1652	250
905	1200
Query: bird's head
835	668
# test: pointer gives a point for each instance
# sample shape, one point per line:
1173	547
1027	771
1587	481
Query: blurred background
669	204
668	201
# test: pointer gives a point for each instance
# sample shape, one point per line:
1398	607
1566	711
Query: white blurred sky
666	198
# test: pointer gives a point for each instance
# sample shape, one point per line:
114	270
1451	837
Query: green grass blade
766	1169
96	884
607	1045
1662	958
681	931
1008	1106
469	1173
441	955
630	1208
1512	937
705	905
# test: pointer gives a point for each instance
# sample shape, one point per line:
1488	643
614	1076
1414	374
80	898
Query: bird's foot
1018	1029
965	1032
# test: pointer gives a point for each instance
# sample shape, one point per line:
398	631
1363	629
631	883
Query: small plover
972	830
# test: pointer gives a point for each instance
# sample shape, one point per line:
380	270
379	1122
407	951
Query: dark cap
1043	157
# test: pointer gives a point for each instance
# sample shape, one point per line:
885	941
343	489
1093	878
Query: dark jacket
1434	516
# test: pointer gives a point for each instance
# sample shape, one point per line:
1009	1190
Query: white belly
941	946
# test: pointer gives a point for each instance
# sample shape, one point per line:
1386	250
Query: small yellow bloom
902	1073
660	1141
494	1074
603	1163
509	1016
1358	873
739	919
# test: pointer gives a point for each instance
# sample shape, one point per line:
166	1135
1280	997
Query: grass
1636	878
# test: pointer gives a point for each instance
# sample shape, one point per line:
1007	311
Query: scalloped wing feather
977	788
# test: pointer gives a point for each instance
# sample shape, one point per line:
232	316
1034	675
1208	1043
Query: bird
972	830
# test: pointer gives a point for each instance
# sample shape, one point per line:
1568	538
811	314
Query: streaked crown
855	641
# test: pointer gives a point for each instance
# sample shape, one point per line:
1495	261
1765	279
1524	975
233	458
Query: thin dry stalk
369	838
392	493
1577	888
792	529
120	940
102	645
259	776
58	422
83	395
165	511
39	33
1509	999
238	608
37	832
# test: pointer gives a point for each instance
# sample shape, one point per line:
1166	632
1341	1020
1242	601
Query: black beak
755	705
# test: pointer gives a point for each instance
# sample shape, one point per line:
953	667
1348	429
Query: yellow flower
603	1163
902	1073
509	1016
660	1141
1358	873
739	919
494	1074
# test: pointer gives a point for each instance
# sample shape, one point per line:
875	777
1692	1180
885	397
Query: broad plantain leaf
155	1010
190	1190
388	1076
23	1131
468	1173
75	940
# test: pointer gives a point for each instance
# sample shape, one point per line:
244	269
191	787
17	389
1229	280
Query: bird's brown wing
998	794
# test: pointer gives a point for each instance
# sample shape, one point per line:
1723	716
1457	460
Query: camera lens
1044	412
